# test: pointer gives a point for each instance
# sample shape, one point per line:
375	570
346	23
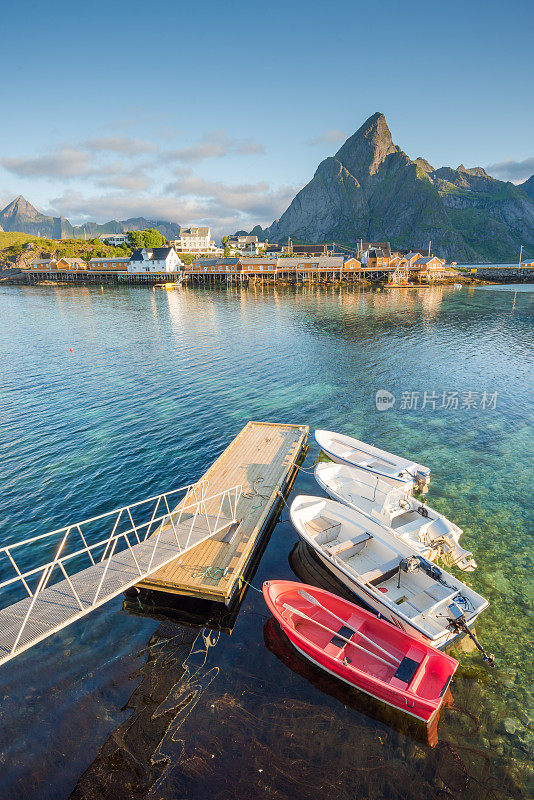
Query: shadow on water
306	741
278	644
134	760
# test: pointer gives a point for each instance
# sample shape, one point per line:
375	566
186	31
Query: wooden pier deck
262	458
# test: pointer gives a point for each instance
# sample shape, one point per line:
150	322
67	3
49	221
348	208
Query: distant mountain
528	187
20	215
372	190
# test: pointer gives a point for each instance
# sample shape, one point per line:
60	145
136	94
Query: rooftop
154	253
195	231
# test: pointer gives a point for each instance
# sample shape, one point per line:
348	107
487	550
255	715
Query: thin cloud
510	170
119	144
78	207
66	162
215	144
256	200
132	180
330	136
225	207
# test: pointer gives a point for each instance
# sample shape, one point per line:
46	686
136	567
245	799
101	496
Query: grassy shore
20	249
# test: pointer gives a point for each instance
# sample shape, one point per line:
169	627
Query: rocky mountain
528	187
372	190
20	215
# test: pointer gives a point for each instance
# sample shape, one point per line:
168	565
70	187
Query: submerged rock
510	725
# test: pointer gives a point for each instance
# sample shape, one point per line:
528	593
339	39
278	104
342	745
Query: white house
155	259
115	239
246	244
195	240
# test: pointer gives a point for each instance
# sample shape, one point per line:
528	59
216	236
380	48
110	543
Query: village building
62	264
114	239
305	249
362	247
213	265
106	264
246	244
259	265
273	249
375	258
195	240
428	267
154	259
352	264
411	258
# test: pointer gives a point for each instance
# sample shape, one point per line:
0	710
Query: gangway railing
86	564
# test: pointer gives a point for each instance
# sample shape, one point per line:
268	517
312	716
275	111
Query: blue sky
220	112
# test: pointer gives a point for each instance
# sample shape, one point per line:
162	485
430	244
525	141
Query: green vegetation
225	245
187	258
150	237
8	239
20	249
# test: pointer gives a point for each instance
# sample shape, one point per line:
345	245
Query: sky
218	113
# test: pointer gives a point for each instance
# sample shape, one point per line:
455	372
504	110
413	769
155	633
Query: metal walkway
119	551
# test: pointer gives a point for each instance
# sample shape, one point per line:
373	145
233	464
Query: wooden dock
262	458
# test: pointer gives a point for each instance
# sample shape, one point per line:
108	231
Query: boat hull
399	477
461	558
405	700
373	602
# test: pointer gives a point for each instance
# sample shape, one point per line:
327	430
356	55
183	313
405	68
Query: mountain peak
424	164
366	149
19	206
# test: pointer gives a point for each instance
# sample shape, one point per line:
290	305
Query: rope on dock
211	572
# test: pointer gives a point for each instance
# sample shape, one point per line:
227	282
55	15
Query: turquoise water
158	383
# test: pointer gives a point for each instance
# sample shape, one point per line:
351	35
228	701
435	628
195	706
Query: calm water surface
124	705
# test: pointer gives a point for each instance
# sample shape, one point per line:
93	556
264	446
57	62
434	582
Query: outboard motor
421	481
458	624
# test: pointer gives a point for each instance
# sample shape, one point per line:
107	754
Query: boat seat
380	572
383	466
323	529
350	546
425	601
405	677
346	451
419	524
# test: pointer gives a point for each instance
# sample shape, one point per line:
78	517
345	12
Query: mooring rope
241	578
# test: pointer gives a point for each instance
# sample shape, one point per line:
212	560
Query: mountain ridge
371	190
20	215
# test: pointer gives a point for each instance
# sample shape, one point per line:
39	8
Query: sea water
109	396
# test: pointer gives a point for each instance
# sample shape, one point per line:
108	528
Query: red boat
354	645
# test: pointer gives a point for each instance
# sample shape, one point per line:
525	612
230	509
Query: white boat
354	453
430	533
383	571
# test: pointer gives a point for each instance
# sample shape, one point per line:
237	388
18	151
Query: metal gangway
85	564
